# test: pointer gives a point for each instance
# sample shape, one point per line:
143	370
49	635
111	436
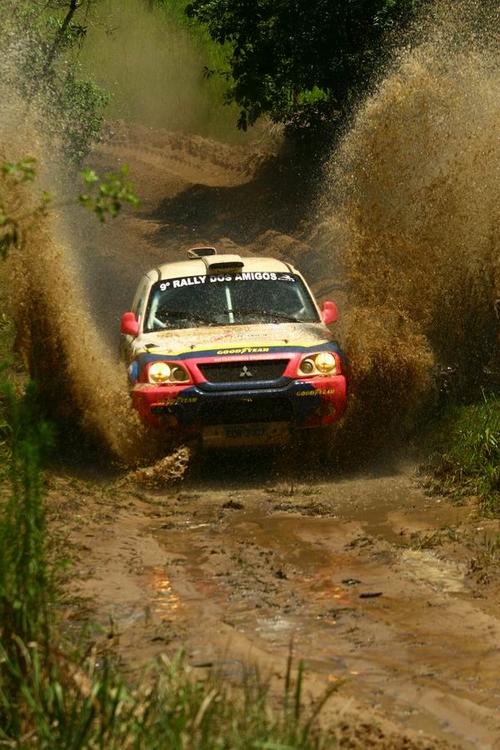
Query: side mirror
329	312
129	324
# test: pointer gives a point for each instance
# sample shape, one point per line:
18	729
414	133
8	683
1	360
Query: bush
466	452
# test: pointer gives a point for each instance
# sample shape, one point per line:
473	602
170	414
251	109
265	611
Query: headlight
326	363
160	373
323	363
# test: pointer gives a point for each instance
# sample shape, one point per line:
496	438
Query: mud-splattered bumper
242	416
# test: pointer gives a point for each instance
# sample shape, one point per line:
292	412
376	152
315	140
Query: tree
300	61
35	37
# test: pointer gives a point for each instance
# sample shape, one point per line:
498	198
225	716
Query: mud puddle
339	573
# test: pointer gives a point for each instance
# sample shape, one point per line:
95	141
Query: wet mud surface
369	581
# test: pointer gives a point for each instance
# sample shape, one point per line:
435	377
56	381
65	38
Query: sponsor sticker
223	278
171	400
317	392
245	350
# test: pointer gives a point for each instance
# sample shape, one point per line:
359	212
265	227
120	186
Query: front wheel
308	451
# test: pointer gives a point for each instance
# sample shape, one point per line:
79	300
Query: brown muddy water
341	571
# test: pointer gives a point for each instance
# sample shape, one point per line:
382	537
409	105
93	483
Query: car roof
218	264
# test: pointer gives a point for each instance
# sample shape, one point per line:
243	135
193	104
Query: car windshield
228	299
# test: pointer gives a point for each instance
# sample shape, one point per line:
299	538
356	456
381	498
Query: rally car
232	350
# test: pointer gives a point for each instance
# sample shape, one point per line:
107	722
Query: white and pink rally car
232	350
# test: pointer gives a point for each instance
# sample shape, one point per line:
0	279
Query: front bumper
266	414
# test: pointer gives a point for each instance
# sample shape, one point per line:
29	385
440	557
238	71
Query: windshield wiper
267	314
287	318
166	318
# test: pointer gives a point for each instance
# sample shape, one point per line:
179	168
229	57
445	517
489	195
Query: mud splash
419	178
81	385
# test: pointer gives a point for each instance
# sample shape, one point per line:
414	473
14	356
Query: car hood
233	339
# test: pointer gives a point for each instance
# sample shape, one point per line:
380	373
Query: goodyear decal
244	350
317	392
172	400
152	355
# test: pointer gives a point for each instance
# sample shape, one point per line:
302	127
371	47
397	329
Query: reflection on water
442	575
323	589
165	603
274	628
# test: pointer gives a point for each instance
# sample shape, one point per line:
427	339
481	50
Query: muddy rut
370	582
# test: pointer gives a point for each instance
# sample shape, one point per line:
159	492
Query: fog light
179	375
307	367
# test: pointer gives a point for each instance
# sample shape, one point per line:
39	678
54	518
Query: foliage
301	62
102	196
81	104
5	428
466	452
35	37
26	581
106	197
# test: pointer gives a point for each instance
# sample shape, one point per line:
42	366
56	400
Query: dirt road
368	578
376	586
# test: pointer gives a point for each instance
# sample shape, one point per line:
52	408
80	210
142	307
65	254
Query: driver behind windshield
227	301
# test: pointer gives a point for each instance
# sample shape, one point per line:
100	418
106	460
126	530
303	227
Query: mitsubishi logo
245	373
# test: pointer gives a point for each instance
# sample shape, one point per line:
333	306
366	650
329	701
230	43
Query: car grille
244	372
241	411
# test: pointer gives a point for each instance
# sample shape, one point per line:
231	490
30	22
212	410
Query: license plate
236	435
242	432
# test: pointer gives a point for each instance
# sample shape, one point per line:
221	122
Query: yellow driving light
322	363
159	372
325	363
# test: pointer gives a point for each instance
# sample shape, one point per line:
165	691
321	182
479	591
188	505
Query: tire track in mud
354	610
233	575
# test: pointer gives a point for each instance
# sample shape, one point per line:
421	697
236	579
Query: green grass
7	335
65	705
465	458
